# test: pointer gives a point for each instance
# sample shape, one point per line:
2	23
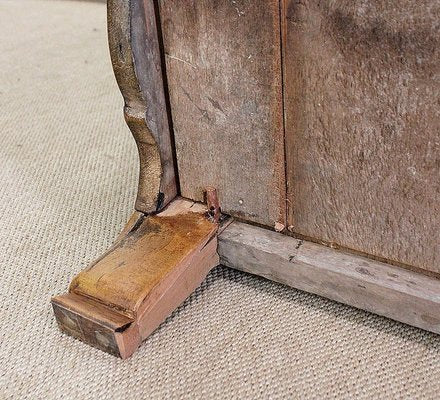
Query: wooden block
400	294
223	61
122	297
362	126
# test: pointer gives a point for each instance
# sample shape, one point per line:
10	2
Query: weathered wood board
224	77
362	88
396	293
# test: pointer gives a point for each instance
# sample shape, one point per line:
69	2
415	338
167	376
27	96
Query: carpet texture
67	185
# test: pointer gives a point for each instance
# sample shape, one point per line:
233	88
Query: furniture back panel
362	85
223	62
358	83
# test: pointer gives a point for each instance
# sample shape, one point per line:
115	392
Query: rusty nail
213	203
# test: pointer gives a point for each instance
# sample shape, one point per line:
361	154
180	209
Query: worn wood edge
134	51
111	331
384	289
108	327
95	324
179	286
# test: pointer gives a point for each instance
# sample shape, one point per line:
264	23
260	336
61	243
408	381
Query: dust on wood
224	76
362	125
403	295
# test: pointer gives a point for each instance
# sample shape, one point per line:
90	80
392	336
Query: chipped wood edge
393	292
136	59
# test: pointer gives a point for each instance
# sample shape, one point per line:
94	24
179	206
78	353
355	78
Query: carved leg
163	254
136	59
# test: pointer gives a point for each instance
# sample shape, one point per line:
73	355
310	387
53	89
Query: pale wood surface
381	288
136	59
362	126
224	76
133	268
148	272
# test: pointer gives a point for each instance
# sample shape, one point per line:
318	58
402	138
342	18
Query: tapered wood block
154	265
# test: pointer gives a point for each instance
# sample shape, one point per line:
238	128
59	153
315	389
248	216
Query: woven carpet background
68	171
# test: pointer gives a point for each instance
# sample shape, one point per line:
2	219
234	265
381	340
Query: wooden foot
157	261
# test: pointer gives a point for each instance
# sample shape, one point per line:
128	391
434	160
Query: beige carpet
67	180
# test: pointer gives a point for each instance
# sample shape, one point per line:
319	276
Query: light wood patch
149	271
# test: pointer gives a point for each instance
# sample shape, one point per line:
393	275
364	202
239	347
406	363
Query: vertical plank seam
166	91
281	8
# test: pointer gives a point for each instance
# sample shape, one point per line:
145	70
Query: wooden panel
362	125
223	71
403	295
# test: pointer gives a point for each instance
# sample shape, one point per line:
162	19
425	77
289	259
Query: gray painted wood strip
400	294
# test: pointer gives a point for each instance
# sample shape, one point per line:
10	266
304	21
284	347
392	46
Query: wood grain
131	270
224	76
362	126
95	324
396	293
149	271
136	59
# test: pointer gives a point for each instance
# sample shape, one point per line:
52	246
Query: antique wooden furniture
313	126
